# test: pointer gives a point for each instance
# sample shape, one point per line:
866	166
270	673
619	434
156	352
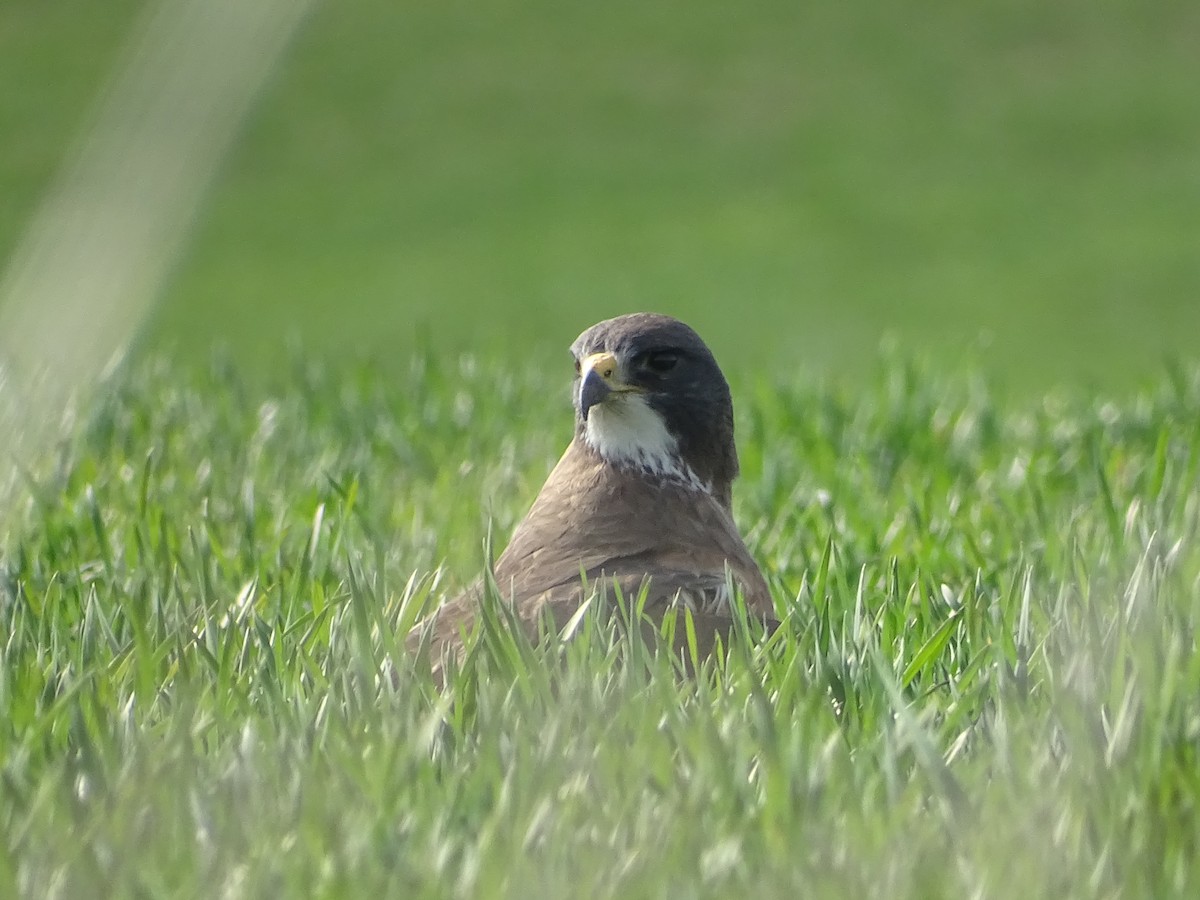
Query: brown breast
613	527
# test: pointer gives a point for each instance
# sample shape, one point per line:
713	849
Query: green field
1009	182
981	538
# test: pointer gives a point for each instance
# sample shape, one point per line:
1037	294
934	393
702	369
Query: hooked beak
600	378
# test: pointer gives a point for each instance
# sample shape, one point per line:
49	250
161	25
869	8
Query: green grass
1009	181
987	684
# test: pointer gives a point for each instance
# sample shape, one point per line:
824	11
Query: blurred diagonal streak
94	257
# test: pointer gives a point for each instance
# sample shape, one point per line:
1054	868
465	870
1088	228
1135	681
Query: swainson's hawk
641	497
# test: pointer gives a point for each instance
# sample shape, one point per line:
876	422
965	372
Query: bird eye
577	369
660	362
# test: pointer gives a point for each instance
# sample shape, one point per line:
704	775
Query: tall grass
987	683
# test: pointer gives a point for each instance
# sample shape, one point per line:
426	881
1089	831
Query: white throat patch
626	431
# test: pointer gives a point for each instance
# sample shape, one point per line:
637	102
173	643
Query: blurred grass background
1009	182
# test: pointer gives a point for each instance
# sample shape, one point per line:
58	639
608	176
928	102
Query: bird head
649	395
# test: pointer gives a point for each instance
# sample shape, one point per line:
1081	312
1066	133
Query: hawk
641	498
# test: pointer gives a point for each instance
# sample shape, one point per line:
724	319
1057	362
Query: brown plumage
640	499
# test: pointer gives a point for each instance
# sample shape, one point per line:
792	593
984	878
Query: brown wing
614	528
